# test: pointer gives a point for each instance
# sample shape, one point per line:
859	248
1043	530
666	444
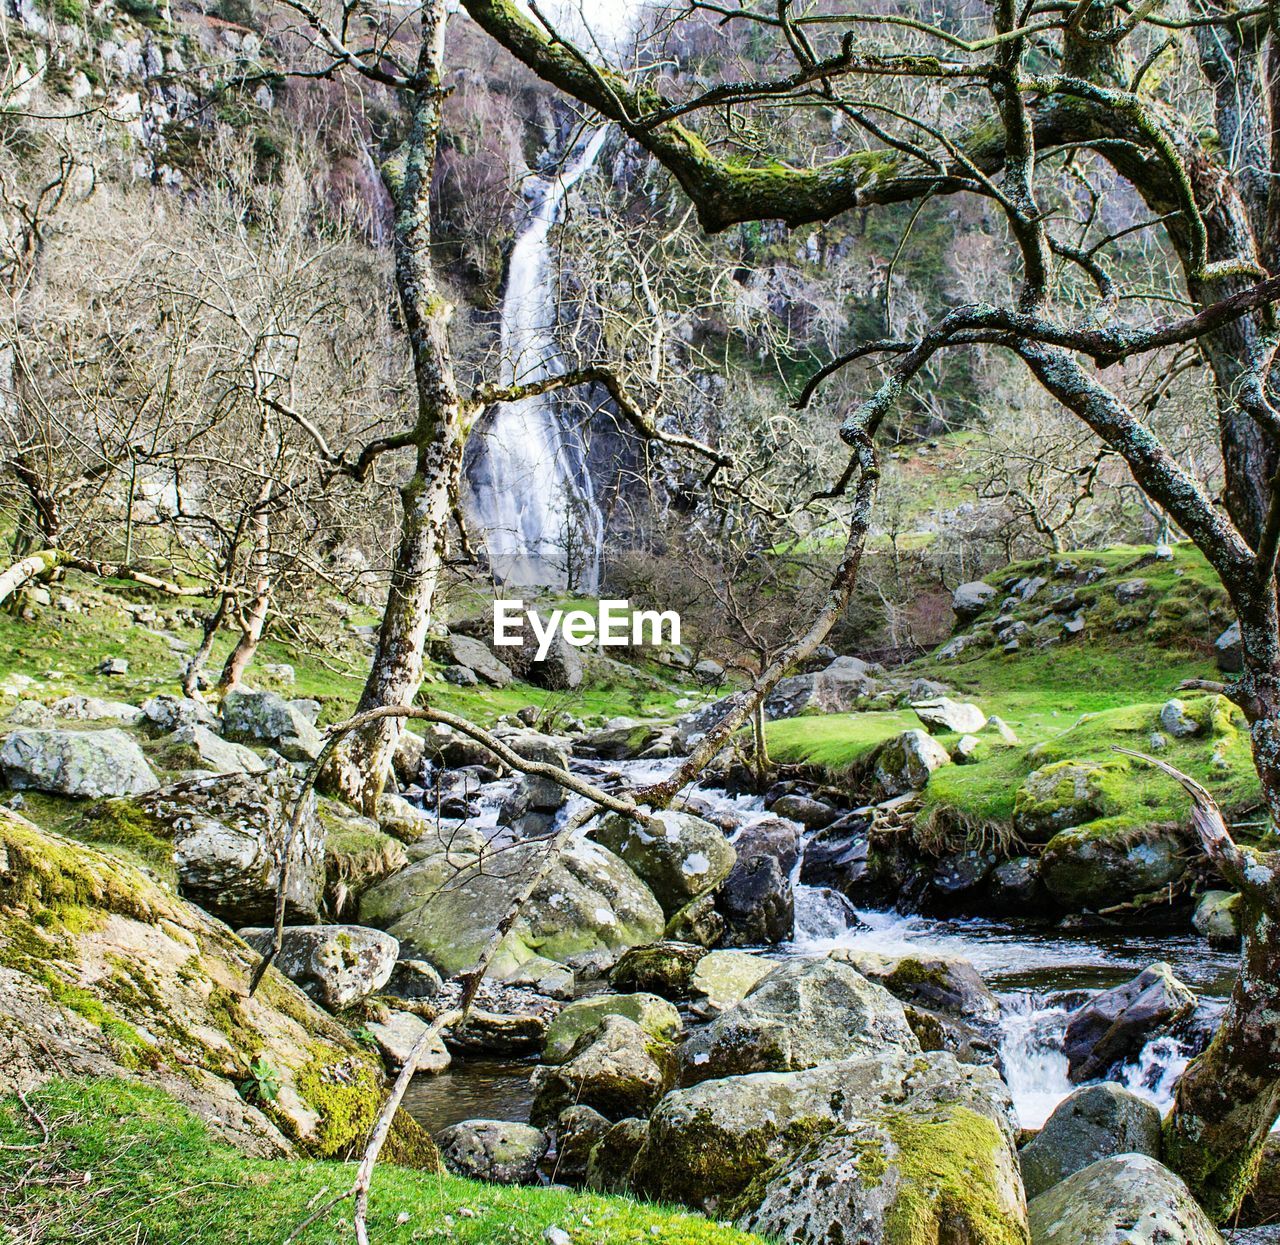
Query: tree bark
359	768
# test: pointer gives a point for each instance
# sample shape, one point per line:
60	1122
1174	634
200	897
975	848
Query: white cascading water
530	494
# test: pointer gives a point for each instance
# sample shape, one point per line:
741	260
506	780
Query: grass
125	1163
838	743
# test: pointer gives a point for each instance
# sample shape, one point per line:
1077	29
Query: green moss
172	1184
948	1177
121	824
345	1092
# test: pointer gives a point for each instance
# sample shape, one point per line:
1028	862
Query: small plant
365	1038
263	1083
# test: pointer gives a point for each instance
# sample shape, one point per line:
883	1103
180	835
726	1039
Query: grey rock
337	965
723	978
1175	720
93	709
1094	1123
267	718
1227	650
212	752
810	813
1128	1199
167	713
840	688
1217	918
494	1150
942	983
905	762
77	763
413	980
460	676
663	968
559	671
114	666
1131	590
654	1015
944	714
399	1034
475	655
578	1130
969	600
708	672
757	899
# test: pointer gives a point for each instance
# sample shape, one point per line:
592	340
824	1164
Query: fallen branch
38	565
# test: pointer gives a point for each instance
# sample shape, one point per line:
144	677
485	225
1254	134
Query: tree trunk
254	618
360	765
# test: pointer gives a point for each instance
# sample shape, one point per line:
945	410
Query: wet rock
1217	918
798	1015
1111	861
662	968
1014	887
578	1130
396	1037
412	980
337	965
810	813
677	856
620	739
1093	1123
757	899
1116	1024
498	1151
944	714
837	856
616	1068
1058	797
654	1015
722	978
969	600
228	836
959	877
586	911
77	763
905	762
1128	1198
267	718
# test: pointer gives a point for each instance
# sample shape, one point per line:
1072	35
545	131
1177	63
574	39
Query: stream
1038	973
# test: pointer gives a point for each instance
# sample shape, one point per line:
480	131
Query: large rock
167	712
906	761
969	600
654	1015
676	855
1112	861
663	968
722	979
620	739
1116	1024
1217	918
104	972
756	899
768	1149
79	763
802	1013
559	671
1093	1123
1058	797
942	983
840	688
80	708
444	907
228	836
494	1150
399	1033
944	714
1128	1199
267	718
337	965
616	1068
197	747
1228	651
475	655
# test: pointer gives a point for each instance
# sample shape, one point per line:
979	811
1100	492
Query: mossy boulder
676	855
1217	918
941	983
1112	861
446	904
104	972
498	1151
1094	1123
1128	1197
267	718
612	1159
663	968
1059	796
357	853
802	1013
658	1018
76	763
617	1068
906	761
337	965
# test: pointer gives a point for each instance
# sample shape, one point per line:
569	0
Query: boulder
1127	1199
228	835
1112	861
969	600
840	688
708	672
79	708
722	978
267	718
356	854
654	1015
906	761
943	714
620	739
460	676
810	813
153	989
800	1014
1217	918
559	671
1227	650
1014	887
337	965
412	980
613	1157
692	726
396	1037
1094	1123
764	1148
443	908
662	968
578	1130
676	855
942	983
616	1068
197	747
1116	1024
1130	590
403	821
410	753
474	655
498	1151
1058	797
78	763
698	921
1175	721
757	900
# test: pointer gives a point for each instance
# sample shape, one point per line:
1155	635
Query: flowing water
1039	975
529	493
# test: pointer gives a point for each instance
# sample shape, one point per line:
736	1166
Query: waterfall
529	493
